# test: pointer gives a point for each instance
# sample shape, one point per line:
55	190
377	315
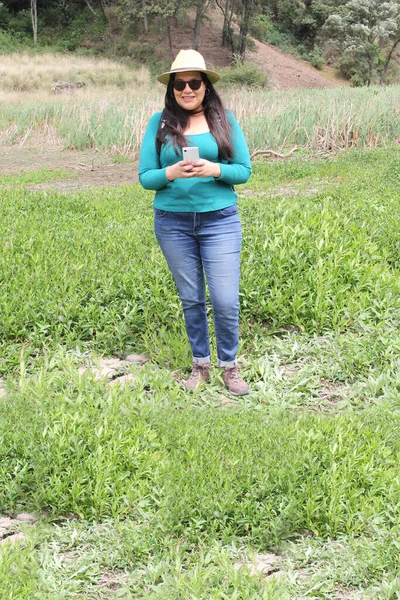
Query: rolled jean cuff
227	363
201	361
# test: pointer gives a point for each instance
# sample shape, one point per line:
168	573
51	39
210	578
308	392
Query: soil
87	168
286	72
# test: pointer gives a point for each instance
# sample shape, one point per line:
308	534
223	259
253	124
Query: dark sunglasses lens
180	85
195	84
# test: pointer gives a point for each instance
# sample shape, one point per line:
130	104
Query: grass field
145	491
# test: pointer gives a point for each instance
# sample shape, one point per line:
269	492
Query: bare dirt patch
346	593
114	370
88	168
332	393
264	564
285	71
9	527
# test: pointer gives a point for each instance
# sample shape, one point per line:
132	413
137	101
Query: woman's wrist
217	173
169	174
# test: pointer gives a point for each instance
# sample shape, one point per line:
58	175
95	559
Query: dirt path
88	168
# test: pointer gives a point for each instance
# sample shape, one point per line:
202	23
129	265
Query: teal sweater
196	194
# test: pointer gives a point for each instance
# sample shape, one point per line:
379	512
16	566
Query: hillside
284	71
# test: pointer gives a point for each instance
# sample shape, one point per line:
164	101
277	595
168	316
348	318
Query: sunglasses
179	85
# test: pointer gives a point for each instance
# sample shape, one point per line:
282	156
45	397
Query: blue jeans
207	243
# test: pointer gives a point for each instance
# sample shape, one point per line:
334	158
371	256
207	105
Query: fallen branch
276	154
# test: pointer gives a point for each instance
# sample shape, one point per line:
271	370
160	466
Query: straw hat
188	60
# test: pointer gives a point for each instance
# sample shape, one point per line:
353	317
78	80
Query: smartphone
190	153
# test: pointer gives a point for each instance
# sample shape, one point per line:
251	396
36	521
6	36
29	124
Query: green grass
149	492
33	177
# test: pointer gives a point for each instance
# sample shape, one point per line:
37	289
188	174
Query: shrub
260	27
21	22
12	43
283	40
316	57
4	16
245	74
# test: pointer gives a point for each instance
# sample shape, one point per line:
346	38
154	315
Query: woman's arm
239	168
151	175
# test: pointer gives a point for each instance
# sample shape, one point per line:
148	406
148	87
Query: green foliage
317	57
147	492
286	41
246	75
81	28
365	33
10	43
82	454
320	261
19	572
260	26
20	23
4	16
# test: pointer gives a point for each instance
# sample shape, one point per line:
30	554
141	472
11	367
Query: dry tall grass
112	110
38	73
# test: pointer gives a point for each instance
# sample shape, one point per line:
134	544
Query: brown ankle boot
234	382
199	375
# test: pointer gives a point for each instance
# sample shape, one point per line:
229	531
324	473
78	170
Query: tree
247	11
34	19
244	10
366	32
227	8
201	9
165	10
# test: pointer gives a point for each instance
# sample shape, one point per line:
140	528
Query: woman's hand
180	170
205	168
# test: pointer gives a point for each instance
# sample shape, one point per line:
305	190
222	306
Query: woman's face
190	99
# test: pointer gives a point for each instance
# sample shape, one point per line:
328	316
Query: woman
195	211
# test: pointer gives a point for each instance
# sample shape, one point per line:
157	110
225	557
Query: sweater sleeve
238	170
151	175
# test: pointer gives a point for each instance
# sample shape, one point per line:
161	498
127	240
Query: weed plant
148	492
97	115
85	268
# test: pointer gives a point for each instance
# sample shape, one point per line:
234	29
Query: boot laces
233	374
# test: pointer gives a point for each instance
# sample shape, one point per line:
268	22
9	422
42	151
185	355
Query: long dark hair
175	120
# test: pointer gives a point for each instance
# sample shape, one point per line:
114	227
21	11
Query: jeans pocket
159	213
229	210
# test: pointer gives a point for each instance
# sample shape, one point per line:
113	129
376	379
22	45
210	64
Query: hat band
183	69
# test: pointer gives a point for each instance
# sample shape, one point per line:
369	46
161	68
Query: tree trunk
34	19
244	27
145	20
169	31
201	7
103	12
387	62
227	10
90	7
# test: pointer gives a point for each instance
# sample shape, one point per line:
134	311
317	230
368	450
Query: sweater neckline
192	134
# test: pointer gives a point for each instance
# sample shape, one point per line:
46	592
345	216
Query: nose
186	84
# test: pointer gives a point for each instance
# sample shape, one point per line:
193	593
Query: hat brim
213	76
